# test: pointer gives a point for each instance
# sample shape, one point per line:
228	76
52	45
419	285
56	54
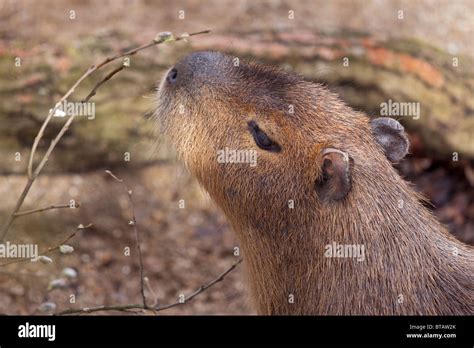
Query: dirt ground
184	248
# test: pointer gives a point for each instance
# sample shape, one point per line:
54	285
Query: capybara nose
196	68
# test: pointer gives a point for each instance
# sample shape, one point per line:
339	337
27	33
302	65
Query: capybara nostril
172	76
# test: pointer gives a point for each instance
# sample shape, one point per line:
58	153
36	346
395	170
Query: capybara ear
391	135
335	181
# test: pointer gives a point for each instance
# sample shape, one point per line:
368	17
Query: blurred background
406	51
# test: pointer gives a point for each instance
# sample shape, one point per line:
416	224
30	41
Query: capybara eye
262	140
172	76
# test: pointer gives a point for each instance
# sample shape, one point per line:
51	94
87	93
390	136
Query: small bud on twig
57	284
47	307
164	37
69	272
42	259
66	249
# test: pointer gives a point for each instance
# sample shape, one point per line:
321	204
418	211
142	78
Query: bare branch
33	173
39	210
104	80
203	288
133	223
129	307
120	308
48	250
151	291
18	205
113	176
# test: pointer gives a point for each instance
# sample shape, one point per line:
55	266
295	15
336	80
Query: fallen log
373	75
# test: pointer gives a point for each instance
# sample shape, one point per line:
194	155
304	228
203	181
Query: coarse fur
412	264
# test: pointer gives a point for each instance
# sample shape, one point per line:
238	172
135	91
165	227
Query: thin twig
203	288
33	173
121	308
113	176
39	210
104	80
48	250
151	291
133	223
18	205
128	307
137	241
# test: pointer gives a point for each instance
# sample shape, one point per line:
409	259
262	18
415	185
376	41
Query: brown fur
410	267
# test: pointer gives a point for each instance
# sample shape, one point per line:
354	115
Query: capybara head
259	139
